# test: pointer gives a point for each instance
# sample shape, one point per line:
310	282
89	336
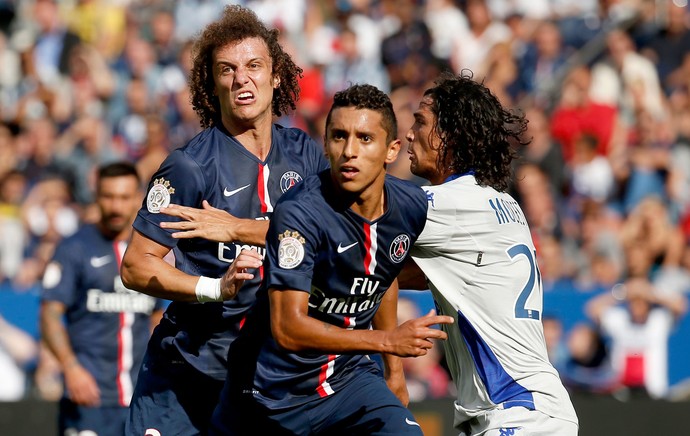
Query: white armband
207	289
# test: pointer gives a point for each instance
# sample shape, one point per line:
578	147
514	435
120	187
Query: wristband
207	289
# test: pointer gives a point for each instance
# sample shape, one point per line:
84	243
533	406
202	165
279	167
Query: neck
255	137
371	203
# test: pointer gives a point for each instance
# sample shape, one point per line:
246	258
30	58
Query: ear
393	150
276	82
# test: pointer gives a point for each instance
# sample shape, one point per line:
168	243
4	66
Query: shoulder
292	136
405	189
75	244
303	195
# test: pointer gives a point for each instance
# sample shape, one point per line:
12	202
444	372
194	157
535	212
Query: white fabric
464	252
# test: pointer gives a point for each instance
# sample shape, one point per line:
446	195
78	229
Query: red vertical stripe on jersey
324	389
262	189
367	246
124	342
370	245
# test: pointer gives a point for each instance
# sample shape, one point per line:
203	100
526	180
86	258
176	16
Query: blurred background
605	182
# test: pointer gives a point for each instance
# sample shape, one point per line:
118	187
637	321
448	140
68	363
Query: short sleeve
292	243
438	220
61	276
179	180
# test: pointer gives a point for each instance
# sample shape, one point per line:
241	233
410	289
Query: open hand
208	222
235	276
414	337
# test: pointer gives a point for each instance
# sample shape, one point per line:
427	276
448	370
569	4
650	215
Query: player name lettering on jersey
364	286
351	305
127	301
229	252
507	211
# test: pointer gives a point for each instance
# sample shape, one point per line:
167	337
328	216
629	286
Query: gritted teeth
245	95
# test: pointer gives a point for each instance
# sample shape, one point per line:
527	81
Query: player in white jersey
477	253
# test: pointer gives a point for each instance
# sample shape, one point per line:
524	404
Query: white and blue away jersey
479	259
346	263
108	325
214	166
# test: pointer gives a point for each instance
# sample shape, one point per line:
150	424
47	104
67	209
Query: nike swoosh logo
98	262
408	421
234	191
342	249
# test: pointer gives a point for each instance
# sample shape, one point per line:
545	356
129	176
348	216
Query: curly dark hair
476	132
363	96
237	24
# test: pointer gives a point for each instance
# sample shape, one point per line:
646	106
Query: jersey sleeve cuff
154	232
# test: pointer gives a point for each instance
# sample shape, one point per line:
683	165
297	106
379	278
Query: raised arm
294	330
214	225
144	269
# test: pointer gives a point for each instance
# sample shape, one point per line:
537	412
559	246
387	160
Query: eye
366	138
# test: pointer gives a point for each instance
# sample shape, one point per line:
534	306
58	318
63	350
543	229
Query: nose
241	75
351	148
410	135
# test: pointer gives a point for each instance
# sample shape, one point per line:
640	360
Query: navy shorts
103	420
364	406
171	397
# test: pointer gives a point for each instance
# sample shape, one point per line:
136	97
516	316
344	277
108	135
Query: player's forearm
310	334
251	232
386	319
153	276
55	336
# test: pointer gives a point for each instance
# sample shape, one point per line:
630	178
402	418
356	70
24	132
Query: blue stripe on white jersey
215	167
500	386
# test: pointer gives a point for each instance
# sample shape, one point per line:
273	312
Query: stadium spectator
588	366
471	49
639	330
671	45
406	53
241	163
106	326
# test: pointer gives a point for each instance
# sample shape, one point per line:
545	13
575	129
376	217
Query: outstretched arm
214	225
294	330
144	269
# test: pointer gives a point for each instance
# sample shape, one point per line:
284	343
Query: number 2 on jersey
533	283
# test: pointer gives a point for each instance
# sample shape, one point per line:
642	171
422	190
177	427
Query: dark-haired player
97	328
240	164
335	244
477	253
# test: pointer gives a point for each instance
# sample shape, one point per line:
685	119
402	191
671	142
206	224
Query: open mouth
245	97
349	172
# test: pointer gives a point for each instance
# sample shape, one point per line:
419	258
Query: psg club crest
399	248
290	249
159	195
288	180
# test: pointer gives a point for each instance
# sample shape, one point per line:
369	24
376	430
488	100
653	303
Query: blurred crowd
605	181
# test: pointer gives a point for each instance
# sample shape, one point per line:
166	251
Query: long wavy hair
237	24
477	134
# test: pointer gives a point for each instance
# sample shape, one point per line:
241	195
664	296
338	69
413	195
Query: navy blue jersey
108	324
345	263
214	166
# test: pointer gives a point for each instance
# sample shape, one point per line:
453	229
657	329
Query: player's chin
116	223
